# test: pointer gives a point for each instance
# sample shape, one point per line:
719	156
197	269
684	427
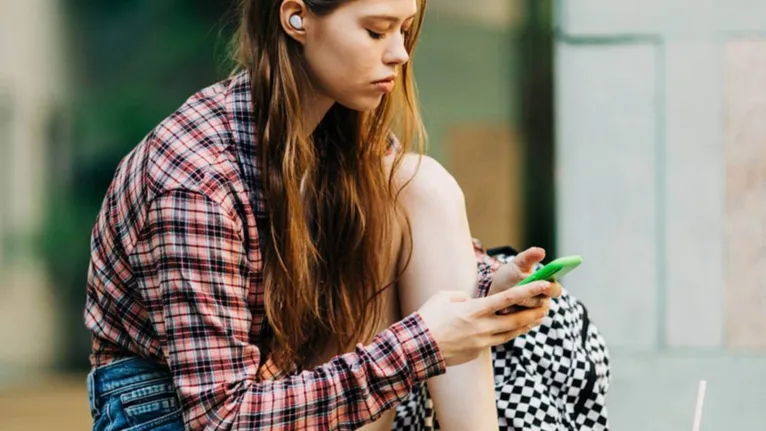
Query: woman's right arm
202	284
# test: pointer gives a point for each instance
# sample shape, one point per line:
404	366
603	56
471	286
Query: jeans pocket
147	404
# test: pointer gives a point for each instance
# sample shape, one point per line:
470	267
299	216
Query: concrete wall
661	184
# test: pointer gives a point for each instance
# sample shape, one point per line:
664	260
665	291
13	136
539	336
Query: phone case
554	270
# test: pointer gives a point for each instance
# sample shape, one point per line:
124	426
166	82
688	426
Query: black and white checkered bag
553	378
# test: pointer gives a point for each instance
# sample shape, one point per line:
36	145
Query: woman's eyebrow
389	18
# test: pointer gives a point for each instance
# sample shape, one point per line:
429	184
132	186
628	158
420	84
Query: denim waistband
122	374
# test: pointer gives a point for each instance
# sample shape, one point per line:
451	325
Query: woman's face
354	52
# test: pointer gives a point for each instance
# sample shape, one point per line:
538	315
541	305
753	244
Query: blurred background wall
33	82
661	184
630	133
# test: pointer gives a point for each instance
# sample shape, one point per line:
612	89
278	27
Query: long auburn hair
331	200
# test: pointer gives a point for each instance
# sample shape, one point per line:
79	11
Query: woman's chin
363	104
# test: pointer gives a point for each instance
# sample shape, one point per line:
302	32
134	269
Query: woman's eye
375	35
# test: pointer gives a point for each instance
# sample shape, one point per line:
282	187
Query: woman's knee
428	186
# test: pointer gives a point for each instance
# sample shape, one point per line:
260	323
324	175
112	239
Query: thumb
527	259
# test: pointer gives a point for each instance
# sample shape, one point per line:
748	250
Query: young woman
271	256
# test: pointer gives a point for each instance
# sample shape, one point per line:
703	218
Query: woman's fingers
515	296
517	321
555	290
536	302
527	259
504	337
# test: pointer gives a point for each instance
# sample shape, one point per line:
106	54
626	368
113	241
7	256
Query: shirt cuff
484	281
420	349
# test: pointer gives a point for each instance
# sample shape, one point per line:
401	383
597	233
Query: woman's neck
314	107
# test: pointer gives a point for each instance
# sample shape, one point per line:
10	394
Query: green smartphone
554	270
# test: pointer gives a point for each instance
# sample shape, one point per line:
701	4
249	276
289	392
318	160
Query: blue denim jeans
133	394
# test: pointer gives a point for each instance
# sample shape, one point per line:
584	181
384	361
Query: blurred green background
135	63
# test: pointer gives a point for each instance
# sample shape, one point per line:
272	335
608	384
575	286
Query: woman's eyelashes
378	35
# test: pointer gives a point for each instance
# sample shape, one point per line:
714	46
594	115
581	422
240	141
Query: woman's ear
292	16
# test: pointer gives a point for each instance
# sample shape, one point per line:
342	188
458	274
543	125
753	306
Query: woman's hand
462	326
521	267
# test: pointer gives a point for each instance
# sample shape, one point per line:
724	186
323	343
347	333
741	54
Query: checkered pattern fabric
553	378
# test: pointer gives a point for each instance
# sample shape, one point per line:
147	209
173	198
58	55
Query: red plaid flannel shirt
176	276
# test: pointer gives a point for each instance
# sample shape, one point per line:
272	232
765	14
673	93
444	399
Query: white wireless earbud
296	22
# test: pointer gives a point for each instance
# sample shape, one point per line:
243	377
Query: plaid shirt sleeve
201	274
485	267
